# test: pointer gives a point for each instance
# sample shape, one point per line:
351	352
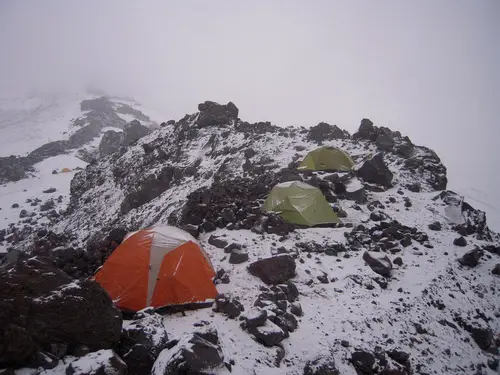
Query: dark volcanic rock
380	264
229	306
375	171
40	306
366	131
217	242
435	226
141	342
13	168
212	113
238	256
363	362
193	354
496	269
321	366
133	131
103	362
275	270
471	258
50	190
326	132
269	334
483	337
110	142
460	241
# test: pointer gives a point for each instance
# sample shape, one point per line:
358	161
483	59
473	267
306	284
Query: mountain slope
403	285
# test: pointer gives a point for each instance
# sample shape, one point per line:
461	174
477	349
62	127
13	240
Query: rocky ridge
381	293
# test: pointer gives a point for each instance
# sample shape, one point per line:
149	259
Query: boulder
228	306
133	131
384	141
213	114
471	258
436	226
326	132
255	319
321	366
460	241
111	142
192	354
238	256
41	306
376	171
249	153
363	362
269	334
50	190
217	242
366	131
496	269
141	342
483	337
380	264
275	270
98	363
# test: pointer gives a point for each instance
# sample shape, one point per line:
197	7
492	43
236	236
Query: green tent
300	203
327	158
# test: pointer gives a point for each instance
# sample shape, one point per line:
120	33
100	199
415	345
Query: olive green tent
327	158
300	203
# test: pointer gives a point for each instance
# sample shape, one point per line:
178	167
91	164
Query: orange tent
65	170
157	267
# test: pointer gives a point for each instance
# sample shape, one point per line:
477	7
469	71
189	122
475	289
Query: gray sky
429	68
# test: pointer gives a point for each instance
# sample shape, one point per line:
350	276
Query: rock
493	363
436	226
290	290
228	306
275	270
47	205
249	153
398	261
400	357
296	309
366	131
483	337
471	258
98	363
23	214
321	366
232	247
193	354
133	131
496	269
142	341
363	362
111	142
217	242
213	114
384	141
345	343
380	264
50	190
460	241
52	308
415	187
255	319
326	132
238	256
375	171
406	241
269	334
54	171
15	205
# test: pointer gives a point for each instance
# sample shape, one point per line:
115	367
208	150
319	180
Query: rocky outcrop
98	363
42	308
213	114
380	264
110	142
133	131
326	132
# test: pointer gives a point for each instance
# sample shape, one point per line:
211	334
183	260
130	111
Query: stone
269	334
398	261
496	269
217	242
436	226
376	171
133	131
52	308
275	270
255	319
460	241
238	256
380	264
325	132
15	205
321	366
363	362
296	309
406	241
214	114
192	354
102	362
50	190
142	341
228	306
471	258
249	153
47	205
483	337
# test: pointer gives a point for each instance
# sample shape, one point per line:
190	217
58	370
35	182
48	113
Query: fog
428	68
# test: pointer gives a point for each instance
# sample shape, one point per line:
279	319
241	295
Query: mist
426	68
